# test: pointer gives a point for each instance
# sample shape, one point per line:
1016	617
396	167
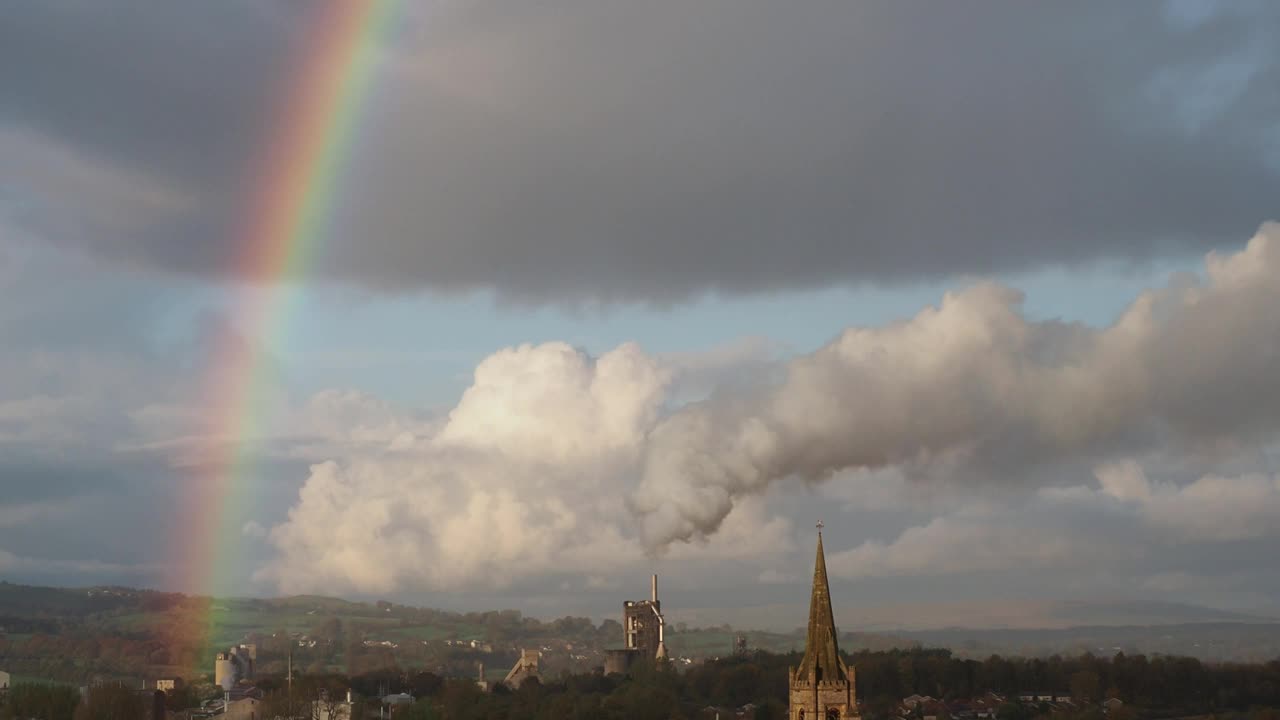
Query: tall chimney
653	588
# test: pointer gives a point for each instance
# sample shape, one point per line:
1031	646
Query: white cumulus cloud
1212	508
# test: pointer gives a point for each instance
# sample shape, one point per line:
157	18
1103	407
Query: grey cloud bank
607	151
614	151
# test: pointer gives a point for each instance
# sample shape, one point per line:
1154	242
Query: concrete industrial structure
643	624
524	669
643	633
234	665
822	686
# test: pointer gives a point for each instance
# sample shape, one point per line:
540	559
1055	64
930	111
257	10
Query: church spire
821	652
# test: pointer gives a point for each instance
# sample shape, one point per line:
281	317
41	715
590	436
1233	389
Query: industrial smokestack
653	588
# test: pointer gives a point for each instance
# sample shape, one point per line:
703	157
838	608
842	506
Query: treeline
110	701
1153	682
35	601
1150	686
1157	686
83	656
40	700
27	625
340	642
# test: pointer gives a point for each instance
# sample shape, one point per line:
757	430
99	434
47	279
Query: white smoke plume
555	463
527	477
518	476
973	385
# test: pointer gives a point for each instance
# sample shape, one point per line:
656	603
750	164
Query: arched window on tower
833	713
801	715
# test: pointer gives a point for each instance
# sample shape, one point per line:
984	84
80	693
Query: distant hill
1031	615
47	630
1207	641
50	602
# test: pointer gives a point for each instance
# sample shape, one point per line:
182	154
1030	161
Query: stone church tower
822	686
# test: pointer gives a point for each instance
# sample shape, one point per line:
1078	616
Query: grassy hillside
74	634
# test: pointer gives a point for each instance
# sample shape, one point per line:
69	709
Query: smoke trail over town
557	462
975	387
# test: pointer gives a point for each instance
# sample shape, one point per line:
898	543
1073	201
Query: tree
1013	711
329	707
329	629
111	702
275	704
767	710
420	710
1086	686
54	702
180	698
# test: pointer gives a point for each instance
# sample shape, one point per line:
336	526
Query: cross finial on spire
820	526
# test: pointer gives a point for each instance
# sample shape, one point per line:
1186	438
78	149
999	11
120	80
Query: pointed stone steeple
821	651
822	686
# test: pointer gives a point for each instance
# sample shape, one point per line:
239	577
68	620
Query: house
241	692
986	706
167	684
1042	696
244	709
397	700
931	709
911	701
1111	704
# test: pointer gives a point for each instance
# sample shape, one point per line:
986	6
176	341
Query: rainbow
290	205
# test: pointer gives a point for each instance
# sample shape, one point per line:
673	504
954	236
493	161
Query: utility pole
290	678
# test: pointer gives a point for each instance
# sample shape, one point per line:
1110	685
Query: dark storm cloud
650	151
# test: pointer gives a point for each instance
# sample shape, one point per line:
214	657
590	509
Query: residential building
248	708
167	684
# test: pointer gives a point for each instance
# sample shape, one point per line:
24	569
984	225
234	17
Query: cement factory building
643	633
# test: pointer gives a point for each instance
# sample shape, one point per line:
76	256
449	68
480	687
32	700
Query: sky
607	288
